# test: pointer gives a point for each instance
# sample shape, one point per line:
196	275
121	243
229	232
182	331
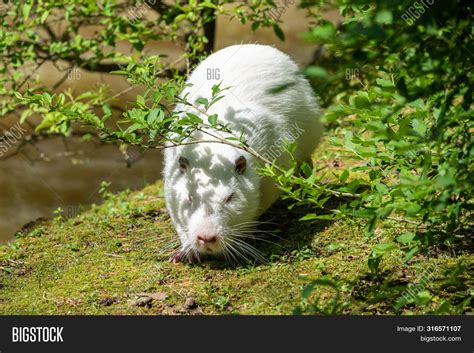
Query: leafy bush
399	107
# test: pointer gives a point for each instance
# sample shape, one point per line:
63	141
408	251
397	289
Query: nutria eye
240	165
183	164
229	198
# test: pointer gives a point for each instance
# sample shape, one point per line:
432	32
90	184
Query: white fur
251	71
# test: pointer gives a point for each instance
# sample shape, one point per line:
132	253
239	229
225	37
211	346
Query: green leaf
279	32
157	96
382	82
255	26
212	119
216	89
203	101
423	297
406	238
313	216
106	109
353	185
133	128
26	9
374	262
214	101
344	175
324	32
194	118
48	98
316	71
412	209
419	126
307	290
384	17
140	100
409	255
306	169
446	178
361	101
25	115
44	16
370	226
119	72
152	116
382	248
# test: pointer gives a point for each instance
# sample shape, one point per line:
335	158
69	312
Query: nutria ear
183	164
240	165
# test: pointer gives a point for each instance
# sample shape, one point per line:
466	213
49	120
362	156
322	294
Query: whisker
230	250
249	249
255	223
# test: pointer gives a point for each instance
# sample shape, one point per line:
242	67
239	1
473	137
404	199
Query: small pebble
106	301
155	296
190	303
142	301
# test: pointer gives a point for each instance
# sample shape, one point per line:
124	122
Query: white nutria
213	192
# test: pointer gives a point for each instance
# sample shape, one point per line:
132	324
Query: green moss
102	260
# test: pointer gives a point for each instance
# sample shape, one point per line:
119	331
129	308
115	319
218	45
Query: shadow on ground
281	237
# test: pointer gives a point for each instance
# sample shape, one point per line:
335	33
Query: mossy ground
102	260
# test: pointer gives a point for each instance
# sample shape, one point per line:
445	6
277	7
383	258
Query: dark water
32	190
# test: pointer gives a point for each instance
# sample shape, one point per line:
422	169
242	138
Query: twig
113	255
31	74
405	220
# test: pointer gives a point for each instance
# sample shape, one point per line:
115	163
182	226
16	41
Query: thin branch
51	33
405	221
60	82
31	74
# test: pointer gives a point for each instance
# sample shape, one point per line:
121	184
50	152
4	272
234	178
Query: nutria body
213	192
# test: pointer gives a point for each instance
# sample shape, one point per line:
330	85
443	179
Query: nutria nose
206	238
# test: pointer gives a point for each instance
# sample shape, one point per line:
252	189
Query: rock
28	227
145	299
159	296
107	301
190	303
142	301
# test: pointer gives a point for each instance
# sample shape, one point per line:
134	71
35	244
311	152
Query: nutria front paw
185	256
